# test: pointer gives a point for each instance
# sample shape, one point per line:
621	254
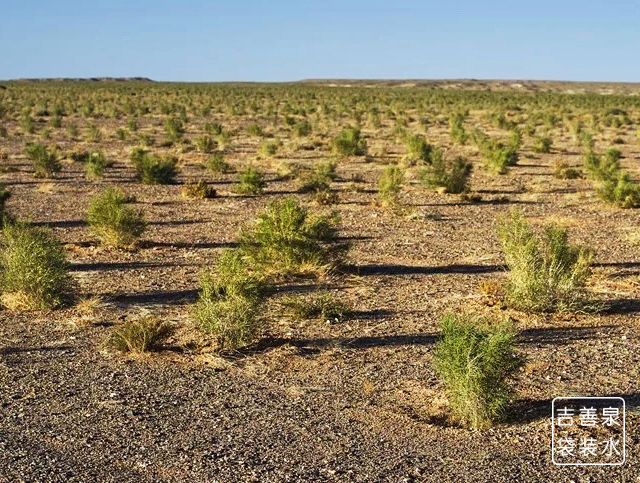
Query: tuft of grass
390	184
139	335
322	306
563	171
114	222
197	189
542	144
350	143
287	241
452	177
34	266
270	148
46	163
154	169
476	361
205	144
217	163
546	274
251	181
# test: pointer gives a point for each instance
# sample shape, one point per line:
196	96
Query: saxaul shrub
390	184
213	128
418	150
251	181
614	185
205	144
456	129
154	169
286	240
546	273
542	144
46	162
450	176
350	143
302	129
174	129
113	221
477	362
217	163
198	189
34	273
95	164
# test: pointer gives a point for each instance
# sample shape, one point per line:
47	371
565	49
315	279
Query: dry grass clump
139	335
197	189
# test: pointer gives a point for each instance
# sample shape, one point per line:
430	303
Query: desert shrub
542	144
586	140
34	273
456	129
213	128
5	194
620	190
452	176
286	240
114	222
270	148
56	121
350	143
476	360
27	124
174	129
302	129
254	130
121	134
563	171
197	189
251	181
320	178
94	135
497	156
224	139
132	124
45	162
228	302
205	144
217	163
322	306
139	335
546	274
95	164
390	184
154	169
418	149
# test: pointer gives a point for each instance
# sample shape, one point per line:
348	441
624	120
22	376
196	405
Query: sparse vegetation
46	162
139	335
251	181
154	169
113	221
390	184
350	143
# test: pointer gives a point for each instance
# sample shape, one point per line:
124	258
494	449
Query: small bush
620	190
95	164
418	149
46	163
546	274
390	184
205	144
114	222
320	179
542	144
350	143
94	135
476	361
34	266
563	171
452	177
174	129
213	128
197	189
456	129
154	169
323	306
287	241
217	163
497	156
140	335
254	130
5	194
121	134
251	181
269	148
302	129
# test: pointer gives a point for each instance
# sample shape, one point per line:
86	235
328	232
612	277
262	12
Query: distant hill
88	79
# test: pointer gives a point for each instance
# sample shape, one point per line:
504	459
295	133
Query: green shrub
154	169
456	129
563	171
254	130
5	194
139	335
95	164
217	163
418	149
350	143
251	181
205	144
497	156
323	306
390	184
476	361
542	144
302	129
174	129
132	124
197	189
453	176
269	148
320	178
34	273
46	163
228	302
56	121
114	222
94	135
72	130
121	134
620	190
213	128
287	241
546	274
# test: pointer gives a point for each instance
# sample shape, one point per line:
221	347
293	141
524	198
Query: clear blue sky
279	41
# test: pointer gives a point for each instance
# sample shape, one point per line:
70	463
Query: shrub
197	189
320	178
620	190
114	222
418	149
213	128
286	240
140	335
205	144
94	135
227	303
251	181
132	124
121	134
95	164
5	194
174	129
350	143
46	163
254	130
34	266
390	184
542	144
154	169
476	361
217	163
269	148
452	177
563	171
456	129
323	306
497	156
546	274
302	129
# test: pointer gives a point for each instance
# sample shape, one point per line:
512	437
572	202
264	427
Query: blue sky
280	41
